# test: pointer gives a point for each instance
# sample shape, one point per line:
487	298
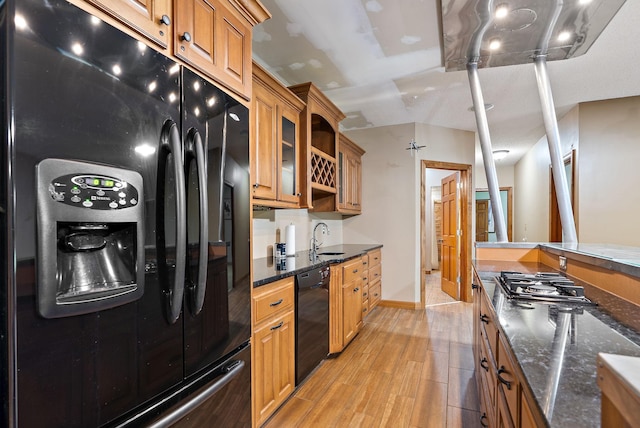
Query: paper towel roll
290	239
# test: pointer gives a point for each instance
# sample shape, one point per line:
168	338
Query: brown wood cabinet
355	290
273	347
375	278
151	18
504	399
275	142
351	299
213	36
318	149
349	196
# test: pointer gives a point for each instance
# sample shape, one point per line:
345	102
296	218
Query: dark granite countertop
559	364
267	269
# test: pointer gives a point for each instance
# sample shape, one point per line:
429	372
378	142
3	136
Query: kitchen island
555	365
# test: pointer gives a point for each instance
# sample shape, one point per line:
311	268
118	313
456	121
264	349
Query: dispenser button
75	199
75	190
113	204
100	192
122	202
87	203
122	194
133	201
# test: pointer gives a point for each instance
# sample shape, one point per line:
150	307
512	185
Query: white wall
609	172
269	227
391	196
531	182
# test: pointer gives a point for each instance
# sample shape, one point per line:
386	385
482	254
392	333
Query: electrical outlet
563	262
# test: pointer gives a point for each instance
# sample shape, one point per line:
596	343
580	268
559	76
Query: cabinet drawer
352	270
365	308
365	261
487	321
375	293
365	277
375	257
507	378
273	299
375	272
365	291
488	371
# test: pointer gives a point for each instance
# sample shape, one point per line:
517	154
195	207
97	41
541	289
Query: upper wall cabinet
349	196
319	148
213	36
151	18
275	142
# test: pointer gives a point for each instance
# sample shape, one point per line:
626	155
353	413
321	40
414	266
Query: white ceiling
380	62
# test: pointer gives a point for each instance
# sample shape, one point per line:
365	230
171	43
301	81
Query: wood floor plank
405	369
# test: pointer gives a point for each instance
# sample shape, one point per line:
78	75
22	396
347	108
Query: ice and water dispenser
90	237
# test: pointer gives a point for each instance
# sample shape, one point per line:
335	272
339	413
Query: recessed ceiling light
495	44
502	11
584	1
564	36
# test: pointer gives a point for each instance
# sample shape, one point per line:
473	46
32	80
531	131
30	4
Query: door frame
465	225
509	191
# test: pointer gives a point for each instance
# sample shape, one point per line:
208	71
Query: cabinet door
211	38
288	159
263	144
352	307
151	18
274	376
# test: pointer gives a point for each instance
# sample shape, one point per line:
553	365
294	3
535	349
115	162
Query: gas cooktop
549	287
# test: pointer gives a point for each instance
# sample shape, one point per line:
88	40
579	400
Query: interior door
482	221
450	242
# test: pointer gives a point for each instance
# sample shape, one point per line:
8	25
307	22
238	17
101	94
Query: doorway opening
555	225
429	240
485	226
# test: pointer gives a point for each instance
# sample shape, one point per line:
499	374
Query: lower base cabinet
504	399
273	344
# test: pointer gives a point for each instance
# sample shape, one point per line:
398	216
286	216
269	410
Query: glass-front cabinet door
288	164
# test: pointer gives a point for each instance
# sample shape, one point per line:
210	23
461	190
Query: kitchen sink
330	253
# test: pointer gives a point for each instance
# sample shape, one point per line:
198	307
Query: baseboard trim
400	305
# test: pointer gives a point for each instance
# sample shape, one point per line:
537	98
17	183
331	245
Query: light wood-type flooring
406	368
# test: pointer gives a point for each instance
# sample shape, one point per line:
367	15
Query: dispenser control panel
93	191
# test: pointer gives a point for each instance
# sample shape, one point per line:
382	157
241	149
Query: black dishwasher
312	320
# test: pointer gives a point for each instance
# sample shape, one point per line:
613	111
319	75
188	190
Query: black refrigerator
124	210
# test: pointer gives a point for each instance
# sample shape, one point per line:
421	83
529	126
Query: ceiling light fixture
487	107
564	36
502	10
500	154
494	44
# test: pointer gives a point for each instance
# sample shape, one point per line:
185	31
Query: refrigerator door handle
201	286
232	370
172	142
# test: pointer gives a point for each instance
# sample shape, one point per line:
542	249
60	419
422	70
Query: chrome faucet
315	245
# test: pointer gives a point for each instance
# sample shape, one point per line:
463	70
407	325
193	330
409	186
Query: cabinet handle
501	379
355	271
186	36
298	194
364	278
165	20
474	286
484	361
276	303
275	327
484	418
256	185
484	318
355	290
